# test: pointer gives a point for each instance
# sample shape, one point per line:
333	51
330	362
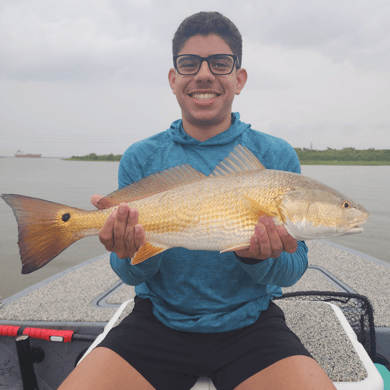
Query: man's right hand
121	233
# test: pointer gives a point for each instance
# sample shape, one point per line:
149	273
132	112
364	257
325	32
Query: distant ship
19	153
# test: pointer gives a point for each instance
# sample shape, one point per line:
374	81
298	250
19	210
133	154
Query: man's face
206	99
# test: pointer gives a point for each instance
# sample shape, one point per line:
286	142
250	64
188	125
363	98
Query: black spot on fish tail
66	217
41	236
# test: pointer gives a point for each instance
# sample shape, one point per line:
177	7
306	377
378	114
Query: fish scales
212	214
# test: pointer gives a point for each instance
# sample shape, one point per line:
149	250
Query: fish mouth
355	228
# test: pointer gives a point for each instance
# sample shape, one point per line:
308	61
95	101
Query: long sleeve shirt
205	291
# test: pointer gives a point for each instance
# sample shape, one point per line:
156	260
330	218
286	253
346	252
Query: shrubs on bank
95	157
305	155
345	154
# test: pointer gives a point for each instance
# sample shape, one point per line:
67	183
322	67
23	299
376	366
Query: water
74	182
67	182
369	186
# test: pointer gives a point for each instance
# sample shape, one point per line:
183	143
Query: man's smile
204	95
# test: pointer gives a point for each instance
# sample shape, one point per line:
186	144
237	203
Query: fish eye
66	217
346	204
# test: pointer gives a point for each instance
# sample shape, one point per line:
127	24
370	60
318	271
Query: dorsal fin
153	184
240	159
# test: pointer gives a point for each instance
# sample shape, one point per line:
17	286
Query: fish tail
45	229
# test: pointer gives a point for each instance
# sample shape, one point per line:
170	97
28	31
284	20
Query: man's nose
205	72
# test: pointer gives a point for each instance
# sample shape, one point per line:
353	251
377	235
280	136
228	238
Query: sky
80	77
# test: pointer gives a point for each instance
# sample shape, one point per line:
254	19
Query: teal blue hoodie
203	291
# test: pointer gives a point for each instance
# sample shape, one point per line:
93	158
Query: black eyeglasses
219	64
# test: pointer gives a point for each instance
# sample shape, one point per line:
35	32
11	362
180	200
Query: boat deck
86	296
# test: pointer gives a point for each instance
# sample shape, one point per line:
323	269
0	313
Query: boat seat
373	380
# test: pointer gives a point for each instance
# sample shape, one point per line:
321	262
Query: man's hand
268	241
121	232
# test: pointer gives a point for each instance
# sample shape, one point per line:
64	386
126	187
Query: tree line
95	157
345	154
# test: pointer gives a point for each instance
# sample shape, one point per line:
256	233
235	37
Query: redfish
181	207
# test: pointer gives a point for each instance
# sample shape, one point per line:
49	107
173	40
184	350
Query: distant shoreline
347	156
367	163
95	157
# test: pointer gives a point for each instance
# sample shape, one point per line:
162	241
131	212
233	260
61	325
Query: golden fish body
213	214
181	207
220	212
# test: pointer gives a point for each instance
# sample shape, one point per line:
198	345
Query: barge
19	153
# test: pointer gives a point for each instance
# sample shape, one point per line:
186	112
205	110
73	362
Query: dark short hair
206	23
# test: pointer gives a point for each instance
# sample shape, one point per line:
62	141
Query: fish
182	207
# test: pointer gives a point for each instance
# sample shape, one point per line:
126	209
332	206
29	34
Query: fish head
319	212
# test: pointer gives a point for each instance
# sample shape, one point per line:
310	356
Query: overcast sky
78	76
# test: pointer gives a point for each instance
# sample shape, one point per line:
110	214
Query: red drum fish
181	207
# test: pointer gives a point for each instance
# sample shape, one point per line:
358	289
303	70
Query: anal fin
147	250
236	248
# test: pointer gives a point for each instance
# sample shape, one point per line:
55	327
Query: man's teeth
204	96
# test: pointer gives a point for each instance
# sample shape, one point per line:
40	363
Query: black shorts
173	360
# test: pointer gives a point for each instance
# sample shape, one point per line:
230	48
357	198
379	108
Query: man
200	313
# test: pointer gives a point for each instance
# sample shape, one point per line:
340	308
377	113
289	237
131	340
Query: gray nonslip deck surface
71	298
324	337
66	299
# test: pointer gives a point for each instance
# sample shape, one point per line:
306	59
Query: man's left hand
268	241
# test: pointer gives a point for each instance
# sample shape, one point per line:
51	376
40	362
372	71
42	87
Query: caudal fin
44	229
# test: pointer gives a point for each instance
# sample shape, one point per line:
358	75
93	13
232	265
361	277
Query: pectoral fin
259	209
236	248
147	250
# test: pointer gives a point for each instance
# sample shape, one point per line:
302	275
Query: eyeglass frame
207	59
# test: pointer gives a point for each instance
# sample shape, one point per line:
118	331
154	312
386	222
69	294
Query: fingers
269	241
95	199
105	235
139	236
290	244
121	232
135	235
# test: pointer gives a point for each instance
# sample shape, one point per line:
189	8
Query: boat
340	309
19	153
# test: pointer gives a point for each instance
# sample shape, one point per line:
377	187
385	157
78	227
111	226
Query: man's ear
172	79
241	77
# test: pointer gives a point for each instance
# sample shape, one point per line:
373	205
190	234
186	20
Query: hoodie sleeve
130	170
283	271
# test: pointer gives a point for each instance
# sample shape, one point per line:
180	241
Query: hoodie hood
177	133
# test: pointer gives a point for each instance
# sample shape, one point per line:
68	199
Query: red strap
7	330
46	334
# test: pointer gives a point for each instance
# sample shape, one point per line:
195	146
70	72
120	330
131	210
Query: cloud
307	24
91	76
97	43
330	133
114	41
354	31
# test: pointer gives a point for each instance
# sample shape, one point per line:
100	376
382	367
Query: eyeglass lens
219	64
